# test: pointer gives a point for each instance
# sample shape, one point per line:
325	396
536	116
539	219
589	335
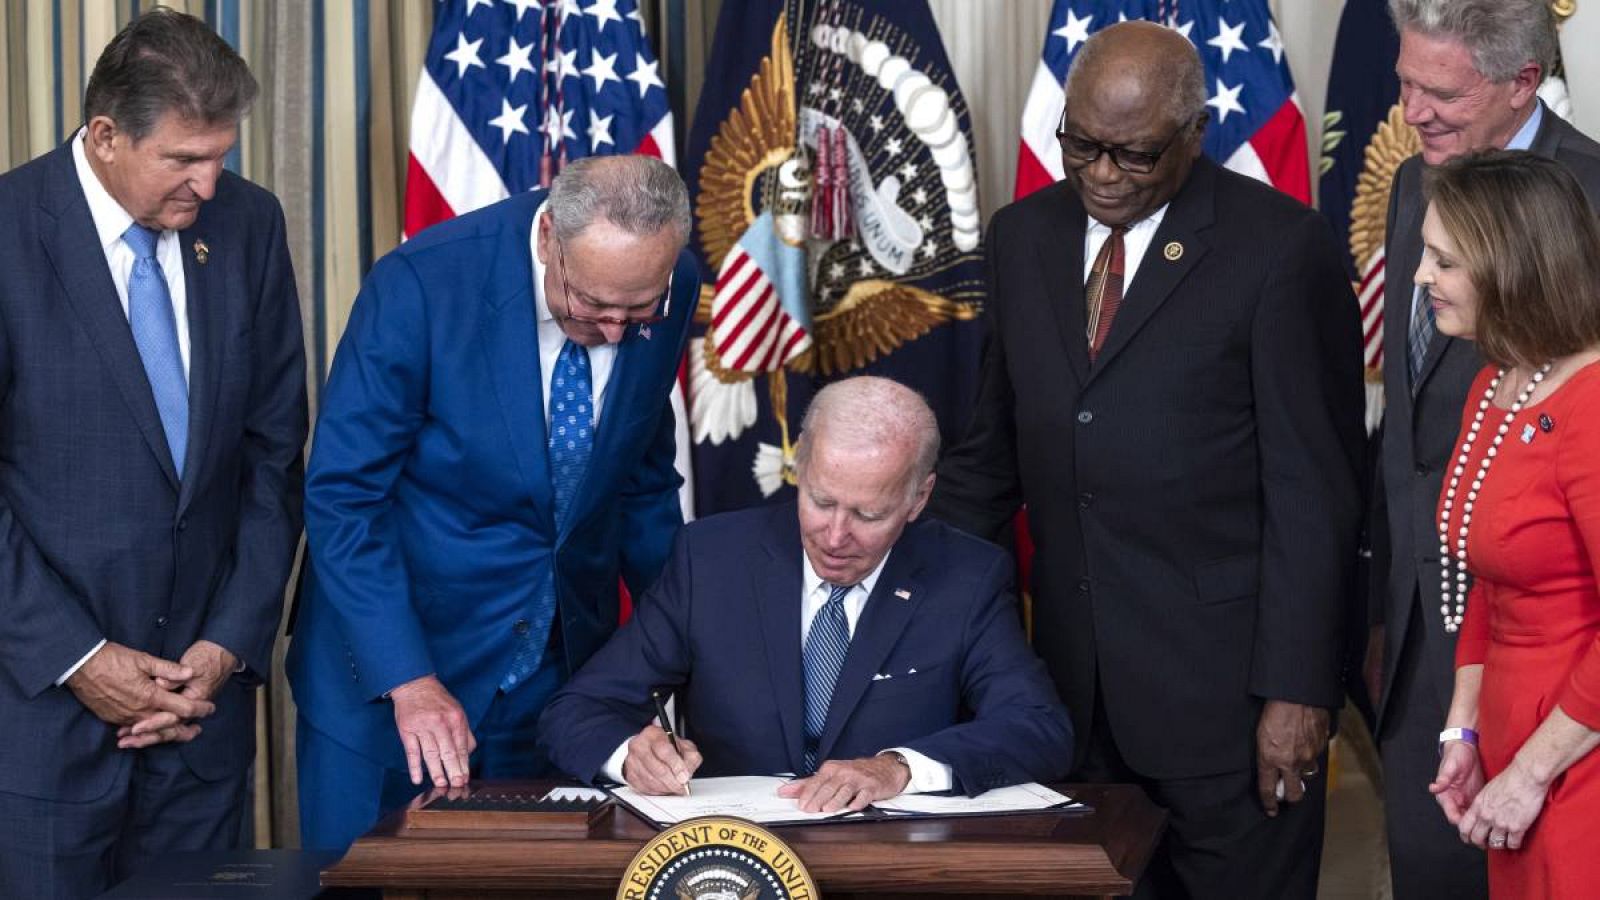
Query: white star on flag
1273	43
563	65
1075	32
510	120
465	55
603	11
517	60
645	74
1228	39
600	129
1184	29
1226	100
602	69
472	5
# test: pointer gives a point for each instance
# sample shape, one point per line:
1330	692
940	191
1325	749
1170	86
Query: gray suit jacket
1421	422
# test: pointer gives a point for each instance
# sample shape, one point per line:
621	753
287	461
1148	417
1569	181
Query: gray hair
638	194
869	411
167	62
1502	35
1185	94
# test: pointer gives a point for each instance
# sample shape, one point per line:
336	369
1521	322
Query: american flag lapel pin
644	332
902	593
201	252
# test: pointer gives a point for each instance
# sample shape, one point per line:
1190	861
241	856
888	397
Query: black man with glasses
495	450
1173	388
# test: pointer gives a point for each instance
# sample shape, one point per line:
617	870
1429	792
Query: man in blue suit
495	448
837	638
152	419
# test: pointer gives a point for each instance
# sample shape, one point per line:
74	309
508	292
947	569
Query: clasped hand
1496	814
152	700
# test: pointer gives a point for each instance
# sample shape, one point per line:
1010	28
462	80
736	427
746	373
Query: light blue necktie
155	332
823	657
571	442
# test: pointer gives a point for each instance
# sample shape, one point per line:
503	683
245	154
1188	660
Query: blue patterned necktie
571	442
825	649
155	333
1420	334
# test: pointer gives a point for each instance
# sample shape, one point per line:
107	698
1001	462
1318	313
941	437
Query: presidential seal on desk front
716	858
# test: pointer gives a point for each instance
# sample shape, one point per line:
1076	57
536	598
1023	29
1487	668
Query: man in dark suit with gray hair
152	418
1469	75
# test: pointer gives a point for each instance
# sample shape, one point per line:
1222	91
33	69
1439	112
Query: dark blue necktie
823	657
571	442
155	333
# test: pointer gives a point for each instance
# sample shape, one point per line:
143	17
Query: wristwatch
1464	735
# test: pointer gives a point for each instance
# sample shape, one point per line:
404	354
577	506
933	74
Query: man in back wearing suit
836	637
495	447
1469	72
1172	385
152	419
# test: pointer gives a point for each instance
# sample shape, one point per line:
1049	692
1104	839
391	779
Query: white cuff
79	664
927	775
612	770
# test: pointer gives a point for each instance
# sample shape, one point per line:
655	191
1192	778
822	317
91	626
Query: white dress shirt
551	337
927	775
110	221
1134	244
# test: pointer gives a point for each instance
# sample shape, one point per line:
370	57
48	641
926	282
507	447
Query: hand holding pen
658	761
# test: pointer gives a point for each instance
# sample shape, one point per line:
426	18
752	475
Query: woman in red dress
1512	261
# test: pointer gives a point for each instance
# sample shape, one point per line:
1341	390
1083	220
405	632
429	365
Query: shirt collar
110	219
1150	222
1523	139
541	306
811	580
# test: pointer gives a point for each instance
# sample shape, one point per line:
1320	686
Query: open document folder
755	797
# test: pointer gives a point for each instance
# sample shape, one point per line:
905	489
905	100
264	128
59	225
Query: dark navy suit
99	539
429	505
722	627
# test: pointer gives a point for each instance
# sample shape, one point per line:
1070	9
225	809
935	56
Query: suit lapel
205	301
510	338
1190	212
1060	253
777	585
882	622
74	251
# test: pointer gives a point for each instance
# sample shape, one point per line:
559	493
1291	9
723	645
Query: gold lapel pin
201	252
1173	251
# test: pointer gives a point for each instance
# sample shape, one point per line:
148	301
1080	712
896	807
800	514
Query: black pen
666	725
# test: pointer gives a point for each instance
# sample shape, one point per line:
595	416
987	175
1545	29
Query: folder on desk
755	798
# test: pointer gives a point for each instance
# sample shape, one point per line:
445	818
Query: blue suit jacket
722	628
98	539
429	507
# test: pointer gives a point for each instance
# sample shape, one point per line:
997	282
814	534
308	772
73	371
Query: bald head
1140	63
872	413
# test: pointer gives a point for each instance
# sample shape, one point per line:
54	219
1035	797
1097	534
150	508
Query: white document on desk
1017	798
753	797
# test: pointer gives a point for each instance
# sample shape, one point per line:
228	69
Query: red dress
1533	618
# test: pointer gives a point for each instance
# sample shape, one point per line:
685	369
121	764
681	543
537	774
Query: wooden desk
1047	855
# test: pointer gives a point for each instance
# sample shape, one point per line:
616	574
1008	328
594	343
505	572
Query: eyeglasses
1083	151
663	303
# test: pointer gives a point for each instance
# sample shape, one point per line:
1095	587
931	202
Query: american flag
1256	125
512	88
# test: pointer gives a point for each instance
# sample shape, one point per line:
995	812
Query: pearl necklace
1452	620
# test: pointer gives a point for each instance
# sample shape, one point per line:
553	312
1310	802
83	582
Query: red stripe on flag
648	146
1281	145
424	204
1031	174
724	303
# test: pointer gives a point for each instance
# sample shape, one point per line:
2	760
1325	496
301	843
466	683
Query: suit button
161	621
1421	470
521	627
1085	417
1085	500
1083	585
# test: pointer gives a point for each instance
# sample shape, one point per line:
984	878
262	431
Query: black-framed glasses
662	306
1083	151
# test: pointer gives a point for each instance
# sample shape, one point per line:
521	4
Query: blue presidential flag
837	225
